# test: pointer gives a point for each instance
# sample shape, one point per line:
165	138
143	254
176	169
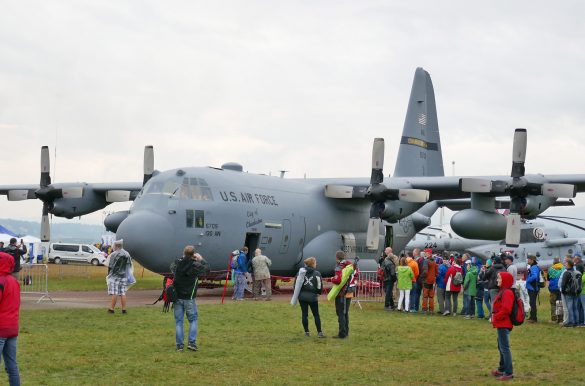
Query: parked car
79	253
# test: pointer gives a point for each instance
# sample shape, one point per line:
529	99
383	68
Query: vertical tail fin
419	153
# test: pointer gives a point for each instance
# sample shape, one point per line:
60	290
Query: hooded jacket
449	286
554	274
405	276
9	298
414	266
470	283
441	275
503	303
186	271
533	278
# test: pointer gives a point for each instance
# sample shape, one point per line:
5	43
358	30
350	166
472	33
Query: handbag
130	274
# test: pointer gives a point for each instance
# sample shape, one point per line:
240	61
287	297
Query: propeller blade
45	167
519	152
74	192
148	163
413	195
475	185
19	195
513	230
373	234
338	191
377	161
45	226
559	190
117	195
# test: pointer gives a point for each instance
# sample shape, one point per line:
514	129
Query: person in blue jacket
532	281
443	266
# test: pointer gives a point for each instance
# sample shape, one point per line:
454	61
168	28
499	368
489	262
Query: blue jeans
571	302
582	315
505	353
8	350
469	305
479	307
487	299
414	296
389	298
182	307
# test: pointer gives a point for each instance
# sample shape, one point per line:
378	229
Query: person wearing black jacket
186	271
16	251
389	268
491	277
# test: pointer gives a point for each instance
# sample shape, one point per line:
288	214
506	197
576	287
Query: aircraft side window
170	188
185	191
189	216
153	187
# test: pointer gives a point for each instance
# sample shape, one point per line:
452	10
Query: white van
78	253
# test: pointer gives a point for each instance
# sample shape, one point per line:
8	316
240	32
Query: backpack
517	315
574	284
311	284
541	280
168	295
457	278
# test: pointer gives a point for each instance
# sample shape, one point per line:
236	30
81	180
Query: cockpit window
168	187
195	189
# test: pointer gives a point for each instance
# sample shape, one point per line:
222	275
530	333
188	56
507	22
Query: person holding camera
16	251
186	271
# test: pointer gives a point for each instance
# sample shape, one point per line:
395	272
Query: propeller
518	188
377	193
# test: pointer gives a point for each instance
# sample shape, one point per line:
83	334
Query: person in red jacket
501	310
9	309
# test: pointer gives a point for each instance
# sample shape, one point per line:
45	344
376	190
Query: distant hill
64	232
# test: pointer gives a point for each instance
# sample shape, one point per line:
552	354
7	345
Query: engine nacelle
478	224
74	207
395	210
535	205
113	220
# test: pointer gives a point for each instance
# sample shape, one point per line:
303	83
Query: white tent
33	244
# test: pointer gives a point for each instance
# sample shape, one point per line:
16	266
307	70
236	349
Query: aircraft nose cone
148	237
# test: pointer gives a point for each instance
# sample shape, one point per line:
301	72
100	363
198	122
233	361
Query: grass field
261	343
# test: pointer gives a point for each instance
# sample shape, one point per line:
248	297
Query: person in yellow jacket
405	279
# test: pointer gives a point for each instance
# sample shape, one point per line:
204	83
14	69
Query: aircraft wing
19	192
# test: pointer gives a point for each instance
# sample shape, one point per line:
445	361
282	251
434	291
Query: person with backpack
186	271
470	289
16	251
502	320
389	268
345	281
571	288
532	286
240	267
9	317
578	261
308	287
453	282
554	274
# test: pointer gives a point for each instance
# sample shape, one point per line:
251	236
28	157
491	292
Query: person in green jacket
405	277
470	290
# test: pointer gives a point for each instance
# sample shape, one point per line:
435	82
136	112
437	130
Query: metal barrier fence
368	288
34	279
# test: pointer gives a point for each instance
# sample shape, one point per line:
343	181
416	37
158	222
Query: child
405	276
501	310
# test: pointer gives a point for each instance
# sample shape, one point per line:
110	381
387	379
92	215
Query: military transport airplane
536	238
221	209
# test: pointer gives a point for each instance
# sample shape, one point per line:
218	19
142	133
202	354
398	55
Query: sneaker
506	377
467	317
446	313
110	311
321	335
124	312
192	347
490	319
497	373
180	347
307	333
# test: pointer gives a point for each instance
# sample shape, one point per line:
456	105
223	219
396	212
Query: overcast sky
298	85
